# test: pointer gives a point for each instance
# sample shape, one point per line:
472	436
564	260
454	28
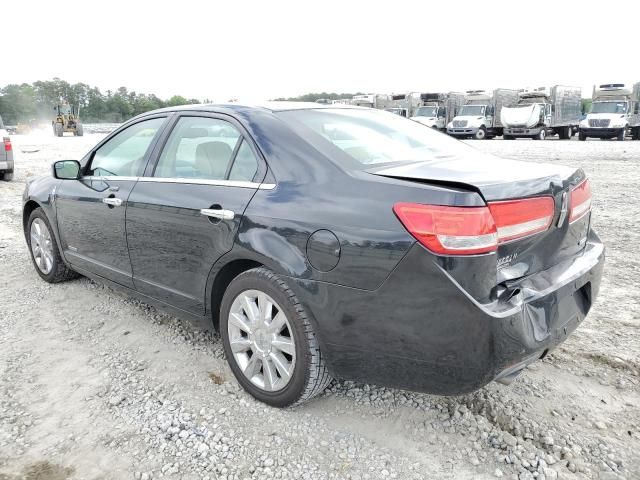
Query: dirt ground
95	385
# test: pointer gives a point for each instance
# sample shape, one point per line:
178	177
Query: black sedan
327	242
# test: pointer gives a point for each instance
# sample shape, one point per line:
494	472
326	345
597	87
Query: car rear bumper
6	162
421	331
601	132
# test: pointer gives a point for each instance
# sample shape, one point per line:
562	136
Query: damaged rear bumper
422	331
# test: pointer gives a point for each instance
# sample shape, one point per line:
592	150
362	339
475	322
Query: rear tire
79	130
581	136
56	270
636	133
262	378
481	134
7	177
58	129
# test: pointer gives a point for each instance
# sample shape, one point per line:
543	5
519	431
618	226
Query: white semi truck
436	110
479	117
615	110
543	111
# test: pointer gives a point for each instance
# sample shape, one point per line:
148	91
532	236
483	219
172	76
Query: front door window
125	154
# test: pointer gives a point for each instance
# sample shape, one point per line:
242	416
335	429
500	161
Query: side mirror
66	169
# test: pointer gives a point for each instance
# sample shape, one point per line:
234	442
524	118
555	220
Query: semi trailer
479	117
436	110
543	111
615	110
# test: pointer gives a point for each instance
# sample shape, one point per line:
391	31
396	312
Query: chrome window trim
110	178
190	181
202	181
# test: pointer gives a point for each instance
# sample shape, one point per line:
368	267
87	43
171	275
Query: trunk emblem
563	209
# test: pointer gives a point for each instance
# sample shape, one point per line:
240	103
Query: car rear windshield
371	137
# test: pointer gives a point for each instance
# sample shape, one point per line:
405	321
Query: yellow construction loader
67	120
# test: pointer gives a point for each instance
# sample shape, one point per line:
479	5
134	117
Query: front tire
481	134
79	130
620	136
269	341
58	130
581	136
508	137
541	135
44	250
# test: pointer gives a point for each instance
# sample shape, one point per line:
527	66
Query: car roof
273	106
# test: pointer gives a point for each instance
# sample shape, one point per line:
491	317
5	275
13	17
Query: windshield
371	137
609	107
472	111
426	112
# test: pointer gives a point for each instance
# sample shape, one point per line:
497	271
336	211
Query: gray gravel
94	384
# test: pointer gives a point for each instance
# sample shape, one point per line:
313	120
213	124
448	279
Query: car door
183	215
91	210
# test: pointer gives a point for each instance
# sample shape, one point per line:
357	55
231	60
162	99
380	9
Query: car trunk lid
499	180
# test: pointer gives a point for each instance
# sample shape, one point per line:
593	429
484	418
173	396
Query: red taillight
7	144
473	230
579	201
449	230
517	219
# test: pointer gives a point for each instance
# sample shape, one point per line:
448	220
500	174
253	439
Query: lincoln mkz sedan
327	242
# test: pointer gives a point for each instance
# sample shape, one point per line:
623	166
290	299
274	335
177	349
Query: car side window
199	148
245	164
124	155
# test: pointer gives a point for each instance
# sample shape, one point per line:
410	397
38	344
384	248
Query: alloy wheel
261	339
41	246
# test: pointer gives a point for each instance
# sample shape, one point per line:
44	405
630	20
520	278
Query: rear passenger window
245	165
199	148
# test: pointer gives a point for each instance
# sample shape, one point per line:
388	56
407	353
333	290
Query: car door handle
114	202
218	213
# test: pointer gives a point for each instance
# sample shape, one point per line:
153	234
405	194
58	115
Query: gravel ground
96	385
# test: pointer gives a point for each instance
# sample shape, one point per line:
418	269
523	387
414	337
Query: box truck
615	111
436	110
543	111
479	117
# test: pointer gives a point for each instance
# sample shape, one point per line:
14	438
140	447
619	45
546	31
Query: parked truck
543	111
479	117
615	110
371	100
436	110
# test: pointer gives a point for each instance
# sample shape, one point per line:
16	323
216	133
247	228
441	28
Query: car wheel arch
27	209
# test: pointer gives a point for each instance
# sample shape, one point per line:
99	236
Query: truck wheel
542	135
481	134
269	340
621	135
58	129
636	133
581	136
79	130
508	137
570	132
7	177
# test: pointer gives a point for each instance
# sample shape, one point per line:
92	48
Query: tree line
34	102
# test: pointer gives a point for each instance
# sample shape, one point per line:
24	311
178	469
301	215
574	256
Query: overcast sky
258	50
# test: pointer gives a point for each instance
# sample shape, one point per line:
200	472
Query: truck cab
431	115
610	113
474	118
